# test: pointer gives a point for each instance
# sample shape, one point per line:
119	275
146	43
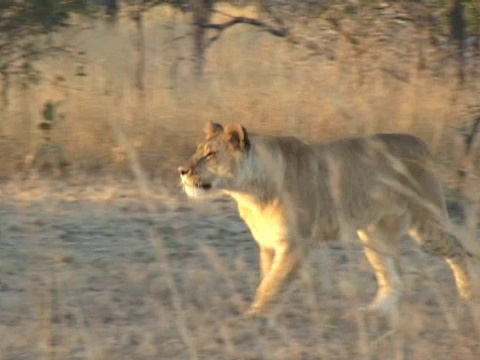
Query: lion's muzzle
191	182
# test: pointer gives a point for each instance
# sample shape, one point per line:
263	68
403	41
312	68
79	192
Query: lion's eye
210	155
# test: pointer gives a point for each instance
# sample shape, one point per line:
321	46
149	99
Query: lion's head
217	161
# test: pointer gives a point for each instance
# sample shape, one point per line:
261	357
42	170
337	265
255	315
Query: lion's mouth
196	184
205	186
197	190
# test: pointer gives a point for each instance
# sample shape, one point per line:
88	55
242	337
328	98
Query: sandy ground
92	271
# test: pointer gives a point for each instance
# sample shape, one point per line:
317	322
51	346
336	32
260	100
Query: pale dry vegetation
111	262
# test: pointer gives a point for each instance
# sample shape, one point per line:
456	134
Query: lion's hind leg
434	239
381	245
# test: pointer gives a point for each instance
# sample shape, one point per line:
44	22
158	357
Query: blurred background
101	100
161	69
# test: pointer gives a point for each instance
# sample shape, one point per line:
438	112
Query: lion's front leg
266	260
285	261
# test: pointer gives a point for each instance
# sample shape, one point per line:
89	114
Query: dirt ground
108	270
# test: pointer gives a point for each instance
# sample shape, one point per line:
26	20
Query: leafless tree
202	11
457	33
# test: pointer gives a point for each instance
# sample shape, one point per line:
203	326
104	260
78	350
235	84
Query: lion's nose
184	171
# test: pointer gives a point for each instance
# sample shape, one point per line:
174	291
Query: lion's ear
237	137
212	129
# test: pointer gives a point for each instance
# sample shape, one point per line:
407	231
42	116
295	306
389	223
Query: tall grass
265	83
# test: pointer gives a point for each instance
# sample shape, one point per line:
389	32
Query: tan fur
292	194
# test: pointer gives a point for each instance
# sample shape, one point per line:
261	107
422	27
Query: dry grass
106	268
111	270
263	82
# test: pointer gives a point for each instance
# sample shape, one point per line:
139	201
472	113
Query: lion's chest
267	224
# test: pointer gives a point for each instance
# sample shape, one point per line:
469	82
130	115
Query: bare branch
280	32
339	28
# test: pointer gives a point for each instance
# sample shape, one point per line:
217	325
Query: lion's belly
272	224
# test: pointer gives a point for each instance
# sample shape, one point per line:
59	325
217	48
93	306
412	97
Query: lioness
292	194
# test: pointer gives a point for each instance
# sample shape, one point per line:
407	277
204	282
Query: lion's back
402	146
400	166
354	169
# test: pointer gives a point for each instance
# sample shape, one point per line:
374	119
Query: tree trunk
202	11
140	50
457	34
5	76
111	8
